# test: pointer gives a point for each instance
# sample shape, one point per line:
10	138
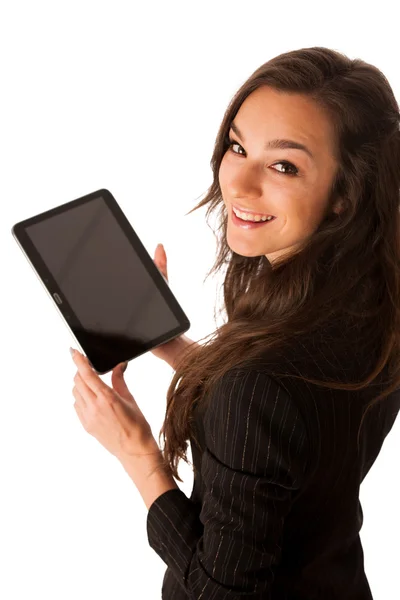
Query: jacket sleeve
253	463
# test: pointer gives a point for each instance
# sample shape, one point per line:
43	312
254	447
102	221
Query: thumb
119	383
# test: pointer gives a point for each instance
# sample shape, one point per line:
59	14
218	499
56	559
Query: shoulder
252	424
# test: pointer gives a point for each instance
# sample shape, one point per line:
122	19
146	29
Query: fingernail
72	351
125	366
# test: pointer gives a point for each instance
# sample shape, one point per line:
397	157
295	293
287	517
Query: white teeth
249	217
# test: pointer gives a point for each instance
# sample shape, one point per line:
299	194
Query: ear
338	206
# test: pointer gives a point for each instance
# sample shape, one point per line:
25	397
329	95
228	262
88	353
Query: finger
124	366
91	378
83	389
161	260
119	385
78	407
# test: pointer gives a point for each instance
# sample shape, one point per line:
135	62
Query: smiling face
287	183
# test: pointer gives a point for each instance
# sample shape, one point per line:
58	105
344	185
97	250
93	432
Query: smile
245	214
248	224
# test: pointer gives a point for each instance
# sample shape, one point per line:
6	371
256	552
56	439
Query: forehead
268	113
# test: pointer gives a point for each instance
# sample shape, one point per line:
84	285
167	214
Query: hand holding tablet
169	351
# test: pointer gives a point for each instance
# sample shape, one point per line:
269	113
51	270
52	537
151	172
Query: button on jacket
275	511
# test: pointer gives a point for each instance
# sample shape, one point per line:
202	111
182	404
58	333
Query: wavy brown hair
347	271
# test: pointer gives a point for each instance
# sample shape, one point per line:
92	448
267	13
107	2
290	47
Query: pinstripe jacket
274	511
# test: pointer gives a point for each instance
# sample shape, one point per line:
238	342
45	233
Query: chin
244	250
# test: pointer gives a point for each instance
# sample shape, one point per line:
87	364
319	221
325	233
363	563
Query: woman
287	405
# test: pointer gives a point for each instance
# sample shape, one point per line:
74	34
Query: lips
251	212
249	225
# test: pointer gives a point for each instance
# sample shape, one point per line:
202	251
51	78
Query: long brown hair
347	271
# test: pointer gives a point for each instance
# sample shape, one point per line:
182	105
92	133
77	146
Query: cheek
221	177
303	222
223	174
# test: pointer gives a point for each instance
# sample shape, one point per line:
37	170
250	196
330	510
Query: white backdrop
129	96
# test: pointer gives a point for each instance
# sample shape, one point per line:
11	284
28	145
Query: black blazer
275	511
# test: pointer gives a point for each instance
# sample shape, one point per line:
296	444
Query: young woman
288	403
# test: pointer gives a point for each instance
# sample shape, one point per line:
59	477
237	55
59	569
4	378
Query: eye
285	163
294	170
231	143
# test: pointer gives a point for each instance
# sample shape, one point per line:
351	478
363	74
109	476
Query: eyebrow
277	143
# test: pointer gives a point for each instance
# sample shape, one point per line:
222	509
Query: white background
129	96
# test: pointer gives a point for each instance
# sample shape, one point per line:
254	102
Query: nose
245	183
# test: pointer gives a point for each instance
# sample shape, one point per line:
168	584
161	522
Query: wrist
180	344
148	473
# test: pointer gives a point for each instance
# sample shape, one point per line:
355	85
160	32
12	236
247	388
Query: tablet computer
101	279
